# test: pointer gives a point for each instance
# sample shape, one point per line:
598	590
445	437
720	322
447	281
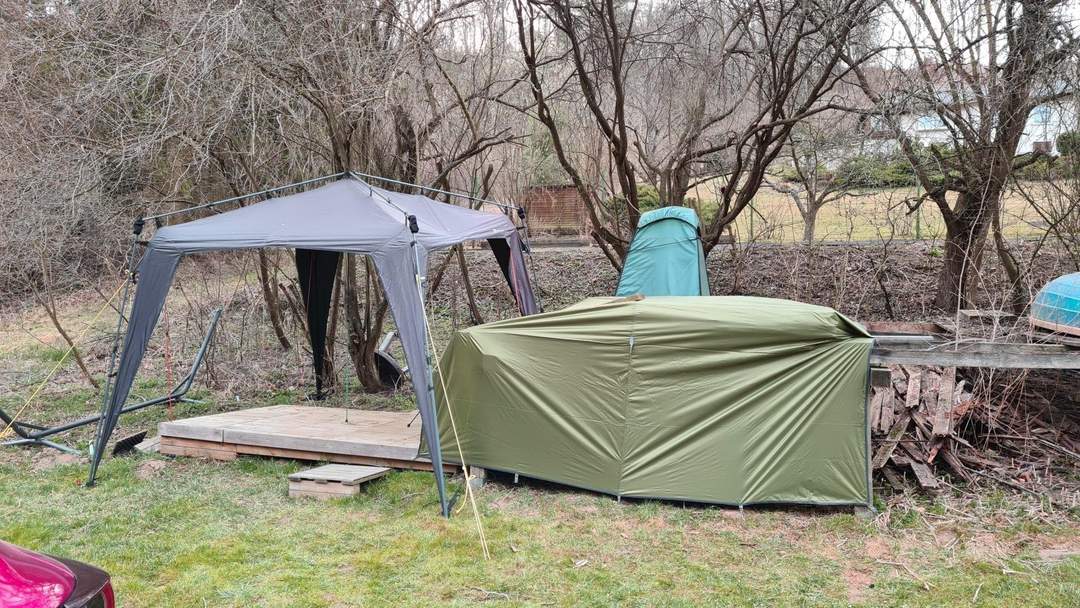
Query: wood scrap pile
930	423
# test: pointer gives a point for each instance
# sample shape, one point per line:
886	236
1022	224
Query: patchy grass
209	534
859	216
224	534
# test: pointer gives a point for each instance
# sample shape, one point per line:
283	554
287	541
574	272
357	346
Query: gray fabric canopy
347	216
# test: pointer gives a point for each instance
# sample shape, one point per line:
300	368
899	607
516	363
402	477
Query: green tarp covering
732	400
665	257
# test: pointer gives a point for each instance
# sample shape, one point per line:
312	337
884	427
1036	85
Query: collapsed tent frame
33	434
445	228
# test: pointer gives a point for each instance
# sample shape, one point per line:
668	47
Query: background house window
929	123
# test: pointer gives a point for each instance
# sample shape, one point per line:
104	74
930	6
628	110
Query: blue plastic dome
1057	306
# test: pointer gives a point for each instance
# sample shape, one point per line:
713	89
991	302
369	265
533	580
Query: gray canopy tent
398	231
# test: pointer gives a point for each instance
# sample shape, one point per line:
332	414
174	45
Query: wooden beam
1001	356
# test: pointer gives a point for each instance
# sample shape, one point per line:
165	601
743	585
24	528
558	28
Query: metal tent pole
95	456
38	433
358	175
244	196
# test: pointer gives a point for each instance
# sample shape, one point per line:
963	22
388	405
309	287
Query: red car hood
30	580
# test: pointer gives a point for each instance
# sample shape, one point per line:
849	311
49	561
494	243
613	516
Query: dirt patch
877	548
1060	551
150	469
50	459
986	547
858	584
945	537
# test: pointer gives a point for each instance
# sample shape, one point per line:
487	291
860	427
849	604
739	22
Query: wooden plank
903	327
310	433
321	491
942	417
211	426
996	356
986	316
324	487
954	463
894	479
885	450
177	446
914	390
418	464
308	441
924	475
875	407
888	411
931	384
1057	328
189	431
346	474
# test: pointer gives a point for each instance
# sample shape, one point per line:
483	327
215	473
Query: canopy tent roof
730	400
665	257
396	230
347	216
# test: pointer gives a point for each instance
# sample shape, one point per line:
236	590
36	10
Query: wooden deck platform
300	432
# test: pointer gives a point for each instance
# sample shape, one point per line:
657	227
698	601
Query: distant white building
1044	125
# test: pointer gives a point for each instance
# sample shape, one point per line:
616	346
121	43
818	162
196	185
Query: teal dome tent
1057	306
665	257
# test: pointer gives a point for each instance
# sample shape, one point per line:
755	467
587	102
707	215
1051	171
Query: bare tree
165	106
815	150
728	82
979	69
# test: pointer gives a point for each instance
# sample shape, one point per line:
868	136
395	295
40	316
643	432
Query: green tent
665	257
730	400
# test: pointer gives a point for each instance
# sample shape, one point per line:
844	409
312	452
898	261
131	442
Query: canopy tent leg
136	230
407	307
154	276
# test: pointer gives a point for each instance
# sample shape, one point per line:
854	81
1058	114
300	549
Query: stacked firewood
933	426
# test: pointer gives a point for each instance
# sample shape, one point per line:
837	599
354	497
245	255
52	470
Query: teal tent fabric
665	257
1057	306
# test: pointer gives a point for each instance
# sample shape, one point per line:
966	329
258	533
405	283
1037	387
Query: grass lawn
862	216
187	533
194	533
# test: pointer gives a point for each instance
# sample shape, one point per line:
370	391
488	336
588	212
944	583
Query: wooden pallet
332	480
195	448
316	434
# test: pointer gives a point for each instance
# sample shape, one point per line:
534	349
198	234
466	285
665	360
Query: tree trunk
273	307
1014	272
474	310
49	304
361	342
966	231
809	218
